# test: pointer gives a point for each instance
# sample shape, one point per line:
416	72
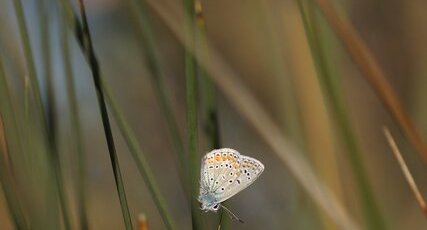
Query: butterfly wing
246	172
215	165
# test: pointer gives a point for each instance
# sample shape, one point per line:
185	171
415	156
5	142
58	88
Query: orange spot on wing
217	158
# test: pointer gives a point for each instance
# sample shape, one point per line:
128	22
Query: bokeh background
265	44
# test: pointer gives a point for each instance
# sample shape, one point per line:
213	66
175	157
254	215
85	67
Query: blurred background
284	53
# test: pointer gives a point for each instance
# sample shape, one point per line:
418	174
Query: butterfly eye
216	207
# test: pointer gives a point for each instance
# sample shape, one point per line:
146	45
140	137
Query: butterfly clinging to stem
224	173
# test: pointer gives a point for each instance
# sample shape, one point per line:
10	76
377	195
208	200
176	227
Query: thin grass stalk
139	158
248	106
371	211
207	89
96	74
51	109
192	126
370	69
74	24
405	170
54	176
8	186
150	51
75	126
6	182
28	54
208	95
26	98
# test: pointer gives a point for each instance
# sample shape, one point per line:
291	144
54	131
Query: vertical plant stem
371	211
96	74
139	158
6	111
211	125
51	108
207	88
75	126
54	188
149	48
29	58
192	127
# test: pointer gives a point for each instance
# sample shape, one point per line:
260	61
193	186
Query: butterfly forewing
225	172
215	165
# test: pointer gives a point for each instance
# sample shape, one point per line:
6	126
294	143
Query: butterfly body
224	173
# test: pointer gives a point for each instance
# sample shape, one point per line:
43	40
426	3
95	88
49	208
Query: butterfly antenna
232	215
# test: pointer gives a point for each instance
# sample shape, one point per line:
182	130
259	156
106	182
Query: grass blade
5	164
149	49
139	158
96	74
363	58
208	103
370	208
32	73
192	127
75	126
56	187
51	108
74	24
405	170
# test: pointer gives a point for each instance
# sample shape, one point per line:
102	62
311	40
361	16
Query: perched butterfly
224	173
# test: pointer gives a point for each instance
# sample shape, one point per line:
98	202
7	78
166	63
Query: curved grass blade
96	74
139	158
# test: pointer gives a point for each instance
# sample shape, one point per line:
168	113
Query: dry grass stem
405	170
373	73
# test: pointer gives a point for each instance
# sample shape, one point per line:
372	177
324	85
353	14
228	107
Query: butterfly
224	173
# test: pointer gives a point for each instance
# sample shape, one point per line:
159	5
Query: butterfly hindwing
248	171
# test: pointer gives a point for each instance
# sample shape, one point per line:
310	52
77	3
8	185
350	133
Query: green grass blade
208	102
371	211
139	158
72	21
96	74
28	54
192	127
75	127
51	108
150	50
6	112
56	185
